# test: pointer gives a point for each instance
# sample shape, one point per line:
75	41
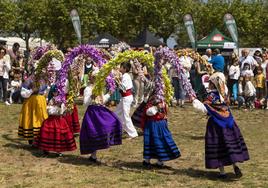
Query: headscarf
218	79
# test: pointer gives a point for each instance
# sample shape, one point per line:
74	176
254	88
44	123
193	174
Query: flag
231	26
76	23
189	24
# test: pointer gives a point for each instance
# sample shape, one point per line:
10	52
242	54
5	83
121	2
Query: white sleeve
199	106
26	93
106	98
151	111
87	96
53	110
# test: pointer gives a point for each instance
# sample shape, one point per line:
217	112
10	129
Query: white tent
33	42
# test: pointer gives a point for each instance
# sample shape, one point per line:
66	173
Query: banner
189	24
231	26
76	23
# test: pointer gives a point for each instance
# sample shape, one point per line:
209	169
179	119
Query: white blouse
198	105
87	100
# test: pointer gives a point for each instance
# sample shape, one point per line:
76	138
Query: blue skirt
158	142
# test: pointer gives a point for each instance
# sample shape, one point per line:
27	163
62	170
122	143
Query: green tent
216	40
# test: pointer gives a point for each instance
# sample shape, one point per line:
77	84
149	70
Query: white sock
147	160
94	155
222	170
160	162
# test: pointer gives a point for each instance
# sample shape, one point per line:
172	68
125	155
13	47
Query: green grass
23	166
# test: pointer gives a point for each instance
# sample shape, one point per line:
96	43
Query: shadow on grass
18	143
79	161
167	170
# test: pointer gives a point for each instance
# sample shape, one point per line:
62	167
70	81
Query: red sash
126	93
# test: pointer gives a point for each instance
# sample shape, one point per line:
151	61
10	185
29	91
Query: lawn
24	166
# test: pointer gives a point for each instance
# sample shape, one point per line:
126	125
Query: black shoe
157	165
146	164
30	142
222	176
91	159
238	172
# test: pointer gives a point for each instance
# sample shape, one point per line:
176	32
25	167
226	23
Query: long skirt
55	135
158	142
101	129
32	115
137	116
73	120
224	146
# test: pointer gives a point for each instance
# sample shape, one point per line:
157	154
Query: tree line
124	19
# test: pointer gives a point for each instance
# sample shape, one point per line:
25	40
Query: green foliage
124	19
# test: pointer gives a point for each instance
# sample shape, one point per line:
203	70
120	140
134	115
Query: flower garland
87	50
147	59
169	55
113	63
44	69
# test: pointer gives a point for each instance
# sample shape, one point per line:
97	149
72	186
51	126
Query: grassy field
23	166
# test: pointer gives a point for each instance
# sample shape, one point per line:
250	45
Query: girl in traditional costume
158	141
55	133
224	143
101	128
33	111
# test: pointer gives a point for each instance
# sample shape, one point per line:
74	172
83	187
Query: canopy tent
216	40
104	40
33	42
146	37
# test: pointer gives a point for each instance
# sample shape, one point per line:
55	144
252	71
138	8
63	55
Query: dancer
123	108
55	133
158	141
224	143
101	128
33	111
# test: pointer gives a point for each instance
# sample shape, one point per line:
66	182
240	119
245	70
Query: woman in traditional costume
33	111
101	128
224	143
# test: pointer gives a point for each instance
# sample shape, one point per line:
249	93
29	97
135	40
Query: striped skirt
32	115
158	142
137	116
100	129
73	120
224	146
55	135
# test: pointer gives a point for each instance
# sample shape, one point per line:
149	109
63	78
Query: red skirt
55	135
73	120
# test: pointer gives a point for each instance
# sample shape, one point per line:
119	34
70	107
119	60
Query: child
249	92
101	128
123	108
234	73
158	141
260	83
224	144
240	99
15	88
55	134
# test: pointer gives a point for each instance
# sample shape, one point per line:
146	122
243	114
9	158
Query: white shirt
87	100
248	60
5	66
249	90
126	81
263	66
186	63
234	72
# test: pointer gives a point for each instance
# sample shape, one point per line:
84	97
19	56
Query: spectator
234	73
247	59
249	92
15	89
260	83
208	55
4	73
217	61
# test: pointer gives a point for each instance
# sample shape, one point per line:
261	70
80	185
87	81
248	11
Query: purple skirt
101	129
224	146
